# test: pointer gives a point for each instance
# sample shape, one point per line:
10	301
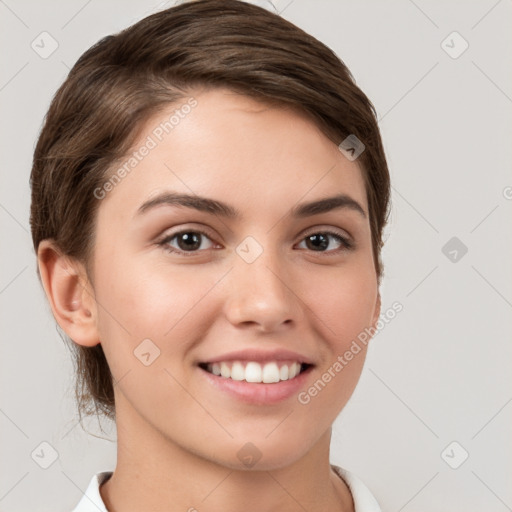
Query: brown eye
185	242
320	242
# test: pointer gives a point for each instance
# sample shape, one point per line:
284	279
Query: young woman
209	192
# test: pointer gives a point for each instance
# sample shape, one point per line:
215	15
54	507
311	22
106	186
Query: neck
155	473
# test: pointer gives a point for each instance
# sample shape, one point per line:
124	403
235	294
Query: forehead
228	146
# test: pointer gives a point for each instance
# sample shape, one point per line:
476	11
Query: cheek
142	300
344	303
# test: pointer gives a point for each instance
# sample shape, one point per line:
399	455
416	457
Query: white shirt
363	499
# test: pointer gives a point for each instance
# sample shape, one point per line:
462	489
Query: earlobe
69	293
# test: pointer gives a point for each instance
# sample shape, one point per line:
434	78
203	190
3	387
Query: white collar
364	500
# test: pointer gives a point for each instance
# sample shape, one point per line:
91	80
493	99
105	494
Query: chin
262	454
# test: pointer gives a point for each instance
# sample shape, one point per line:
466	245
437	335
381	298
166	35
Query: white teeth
225	370
255	372
270	373
294	370
237	371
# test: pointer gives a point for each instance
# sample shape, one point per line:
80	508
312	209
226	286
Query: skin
178	437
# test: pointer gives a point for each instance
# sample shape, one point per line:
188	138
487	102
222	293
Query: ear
376	313
69	293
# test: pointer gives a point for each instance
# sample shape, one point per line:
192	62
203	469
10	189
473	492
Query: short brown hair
122	80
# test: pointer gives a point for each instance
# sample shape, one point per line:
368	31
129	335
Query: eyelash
347	245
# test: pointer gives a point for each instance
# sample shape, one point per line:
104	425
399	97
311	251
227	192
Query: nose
261	294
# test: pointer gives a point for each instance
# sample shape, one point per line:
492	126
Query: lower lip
258	392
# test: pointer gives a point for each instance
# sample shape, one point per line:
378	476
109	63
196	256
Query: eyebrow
204	204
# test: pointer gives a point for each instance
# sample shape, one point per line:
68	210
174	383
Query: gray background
439	372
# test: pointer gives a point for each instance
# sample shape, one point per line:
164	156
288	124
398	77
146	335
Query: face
252	276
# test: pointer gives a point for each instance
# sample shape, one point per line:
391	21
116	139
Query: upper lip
258	355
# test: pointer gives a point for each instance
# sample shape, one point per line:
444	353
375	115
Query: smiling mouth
252	371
